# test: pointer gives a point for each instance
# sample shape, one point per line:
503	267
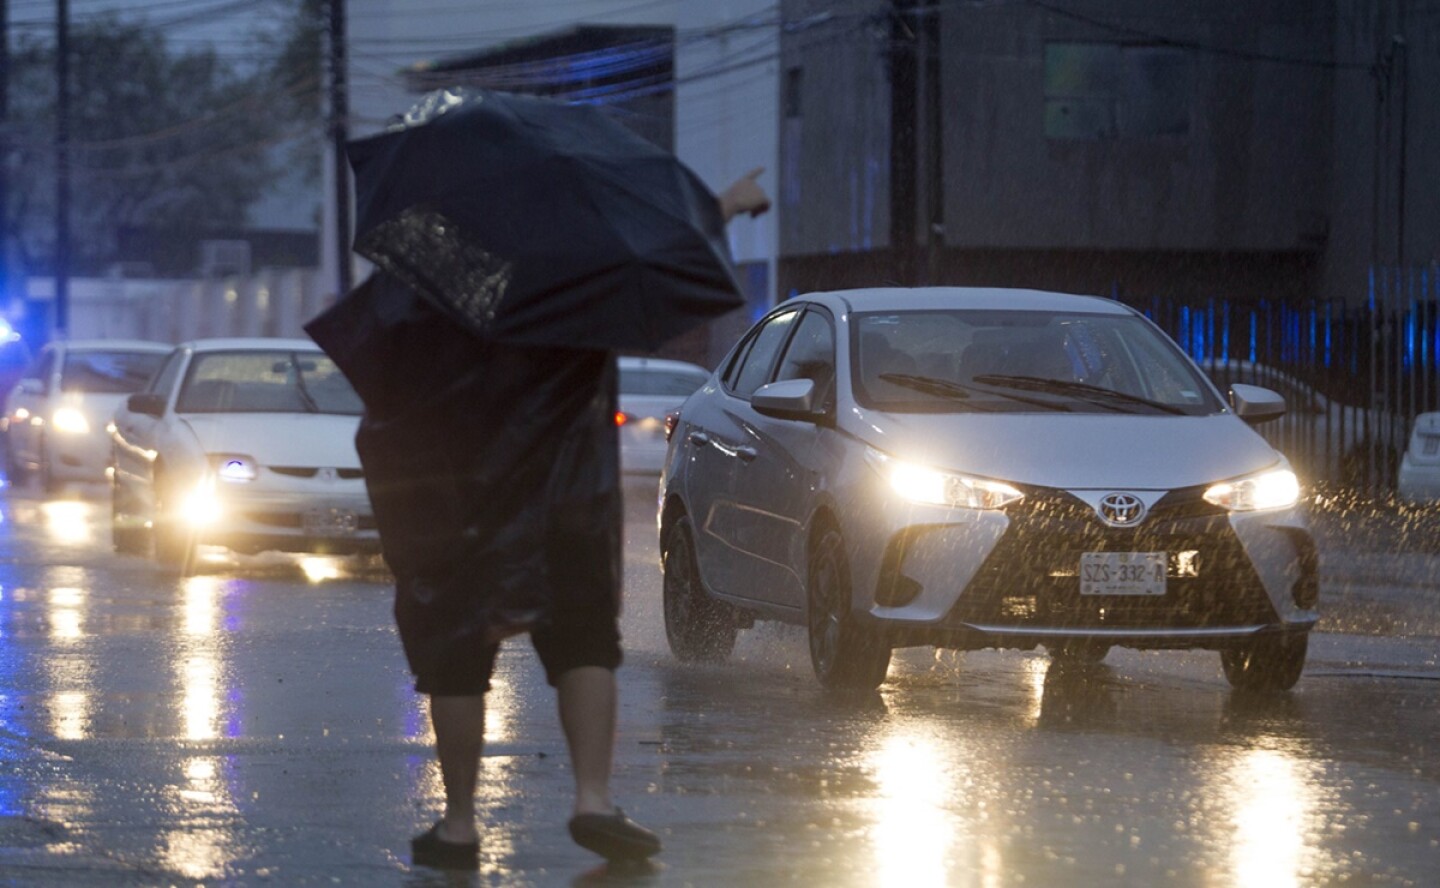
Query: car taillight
672	419
621	417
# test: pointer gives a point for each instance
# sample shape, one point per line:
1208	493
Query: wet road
254	725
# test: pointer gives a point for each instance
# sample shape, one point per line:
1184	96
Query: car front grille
293	521
312	471
1031	578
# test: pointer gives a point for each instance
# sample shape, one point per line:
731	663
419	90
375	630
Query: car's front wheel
174	539
844	653
125	535
1269	663
697	627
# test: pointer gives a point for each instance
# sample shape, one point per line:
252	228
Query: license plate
1122	573
329	522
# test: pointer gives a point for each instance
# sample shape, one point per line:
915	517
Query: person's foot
613	836
429	849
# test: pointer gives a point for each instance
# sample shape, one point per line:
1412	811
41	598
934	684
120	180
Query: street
254	724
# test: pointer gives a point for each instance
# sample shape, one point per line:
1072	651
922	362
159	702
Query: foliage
159	139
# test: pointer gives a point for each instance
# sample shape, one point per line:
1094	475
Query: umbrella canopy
536	222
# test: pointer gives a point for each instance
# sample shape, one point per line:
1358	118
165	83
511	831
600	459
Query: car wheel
14	470
1270	663
697	627
843	653
1079	652
174	542
48	482
125	536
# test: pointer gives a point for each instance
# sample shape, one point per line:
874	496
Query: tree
158	140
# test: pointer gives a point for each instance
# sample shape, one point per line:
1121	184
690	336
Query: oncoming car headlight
233	467
922	484
70	421
199	505
1274	489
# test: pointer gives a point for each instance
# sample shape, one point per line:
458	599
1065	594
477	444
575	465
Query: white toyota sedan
969	468
242	443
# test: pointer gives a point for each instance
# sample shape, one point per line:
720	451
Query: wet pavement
254	724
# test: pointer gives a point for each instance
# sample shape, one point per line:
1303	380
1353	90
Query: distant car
243	443
649	389
969	468
1419	479
58	414
1325	439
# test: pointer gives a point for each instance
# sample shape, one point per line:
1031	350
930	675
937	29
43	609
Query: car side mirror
1255	404
786	399
148	403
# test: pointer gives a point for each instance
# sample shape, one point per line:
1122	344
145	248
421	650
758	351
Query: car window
754	367
660	381
266	382
811	355
163	381
112	372
957	361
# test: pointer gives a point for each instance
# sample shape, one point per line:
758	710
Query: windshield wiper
1082	390
945	388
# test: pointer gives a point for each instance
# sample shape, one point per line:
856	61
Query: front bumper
331	523
1012	578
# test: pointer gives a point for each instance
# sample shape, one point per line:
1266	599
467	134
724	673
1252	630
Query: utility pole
930	100
904	77
62	168
339	111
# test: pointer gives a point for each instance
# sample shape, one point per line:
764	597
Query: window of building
1101	91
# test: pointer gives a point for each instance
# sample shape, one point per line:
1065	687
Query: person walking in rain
495	482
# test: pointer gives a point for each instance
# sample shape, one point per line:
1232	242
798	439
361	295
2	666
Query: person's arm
744	196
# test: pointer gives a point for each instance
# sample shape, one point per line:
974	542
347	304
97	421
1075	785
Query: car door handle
699	439
746	453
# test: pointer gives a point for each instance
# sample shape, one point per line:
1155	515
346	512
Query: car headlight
1274	489
199	505
234	468
70	421
922	484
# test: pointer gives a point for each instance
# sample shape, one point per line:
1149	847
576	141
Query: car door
775	490
138	435
717	445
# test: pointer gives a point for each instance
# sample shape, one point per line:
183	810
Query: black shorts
573	638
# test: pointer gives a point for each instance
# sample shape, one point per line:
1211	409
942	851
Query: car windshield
266	382
1021	361
108	372
658	381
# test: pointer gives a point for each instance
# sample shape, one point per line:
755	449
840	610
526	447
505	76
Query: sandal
428	849
613	836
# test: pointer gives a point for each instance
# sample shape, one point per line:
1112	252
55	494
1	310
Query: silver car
970	468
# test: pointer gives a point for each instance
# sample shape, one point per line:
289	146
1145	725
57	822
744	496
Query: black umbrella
537	222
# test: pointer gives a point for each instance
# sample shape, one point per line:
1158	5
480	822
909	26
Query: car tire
698	628
1079	652
1270	663
844	654
48	482
174	543
126	538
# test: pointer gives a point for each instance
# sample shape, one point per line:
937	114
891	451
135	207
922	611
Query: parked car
242	443
58	413
970	468
1418	481
1325	439
649	389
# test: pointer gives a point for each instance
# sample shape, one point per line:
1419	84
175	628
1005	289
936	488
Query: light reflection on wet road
254	724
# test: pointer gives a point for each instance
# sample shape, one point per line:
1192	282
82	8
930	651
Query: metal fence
1354	375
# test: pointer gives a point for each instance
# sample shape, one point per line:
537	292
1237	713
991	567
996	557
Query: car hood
1072	451
281	439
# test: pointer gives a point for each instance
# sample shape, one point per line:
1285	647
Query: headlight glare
1274	489
922	484
200	506
70	421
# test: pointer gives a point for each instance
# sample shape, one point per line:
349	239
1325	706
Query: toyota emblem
1121	509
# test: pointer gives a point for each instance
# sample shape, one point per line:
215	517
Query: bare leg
587	698
459	739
